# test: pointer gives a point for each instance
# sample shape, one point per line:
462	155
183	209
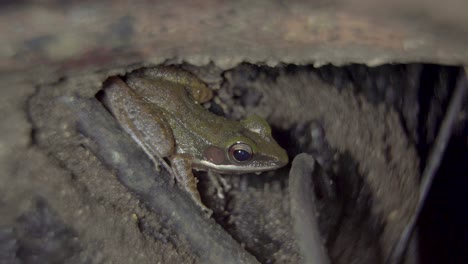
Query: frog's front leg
182	169
220	184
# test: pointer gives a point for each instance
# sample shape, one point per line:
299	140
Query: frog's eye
240	152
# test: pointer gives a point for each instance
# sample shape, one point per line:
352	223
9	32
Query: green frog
161	109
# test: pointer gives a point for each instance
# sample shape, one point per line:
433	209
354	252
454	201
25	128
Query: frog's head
251	149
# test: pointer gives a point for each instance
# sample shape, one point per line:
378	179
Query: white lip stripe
230	167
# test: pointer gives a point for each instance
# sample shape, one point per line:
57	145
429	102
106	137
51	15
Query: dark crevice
443	233
442	229
436	86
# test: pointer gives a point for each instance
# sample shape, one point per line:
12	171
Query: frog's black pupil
241	155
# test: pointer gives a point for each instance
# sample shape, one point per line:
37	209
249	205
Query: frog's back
169	87
160	93
189	120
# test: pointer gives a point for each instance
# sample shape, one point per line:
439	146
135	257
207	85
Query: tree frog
160	108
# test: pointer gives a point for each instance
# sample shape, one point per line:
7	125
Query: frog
161	109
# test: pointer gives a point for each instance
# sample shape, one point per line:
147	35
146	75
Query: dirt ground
57	188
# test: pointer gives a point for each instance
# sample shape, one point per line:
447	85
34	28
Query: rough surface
76	36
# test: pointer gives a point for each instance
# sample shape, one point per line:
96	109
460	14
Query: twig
304	212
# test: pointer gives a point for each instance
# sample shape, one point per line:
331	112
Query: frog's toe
207	212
